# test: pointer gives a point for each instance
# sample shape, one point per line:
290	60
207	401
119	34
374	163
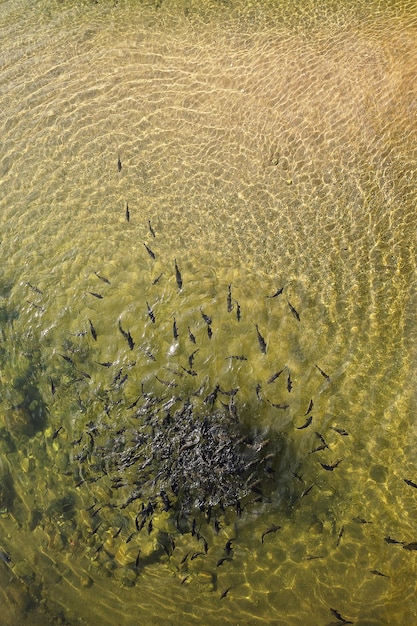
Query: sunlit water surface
261	146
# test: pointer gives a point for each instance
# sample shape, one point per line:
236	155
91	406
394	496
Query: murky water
257	146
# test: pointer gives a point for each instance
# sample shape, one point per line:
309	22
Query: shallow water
269	146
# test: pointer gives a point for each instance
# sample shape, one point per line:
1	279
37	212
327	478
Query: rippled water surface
164	163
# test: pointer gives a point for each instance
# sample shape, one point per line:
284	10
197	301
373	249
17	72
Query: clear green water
271	145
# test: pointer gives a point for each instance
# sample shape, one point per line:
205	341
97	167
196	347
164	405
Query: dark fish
390	540
237	357
340	535
261	340
35	289
224	593
166	382
277	293
293	311
326	376
319	436
307	491
332	466
93	330
53	389
258	391
157	279
151	229
119	163
149	251
223	560
228	547
137	560
378	573
312	557
150	313
310	406
56	433
360	520
191	358
96	295
238	314
127	336
272	378
127	212
178	277
195	555
410	546
37	306
209	331
185	579
191	372
289	382
279	406
306	423
175	329
340	431
206	318
229	299
191	336
339	617
67	359
271	529
184	558
102	278
410	482
105	364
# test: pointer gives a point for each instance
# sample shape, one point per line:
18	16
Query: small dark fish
340	431
340	535
326	376
117	533
150	313
137	560
378	573
191	336
258	391
261	340
209	331
410	546
237	357
224	593
96	295
271	529
289	382
310	407
175	329
390	540
279	406
228	547
195	555
166	382
238	314
102	278
67	359
119	163
223	560
185	579
56	433
184	558
53	388
104	364
312	557
157	279
229	299
93	330
37	306
319	436
191	372
306	423
129	539
360	520
332	466
277	293
127	212
272	378
35	289
127	336
178	276
339	617
307	491
293	311
191	358
149	251
206	318
151	229
410	482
